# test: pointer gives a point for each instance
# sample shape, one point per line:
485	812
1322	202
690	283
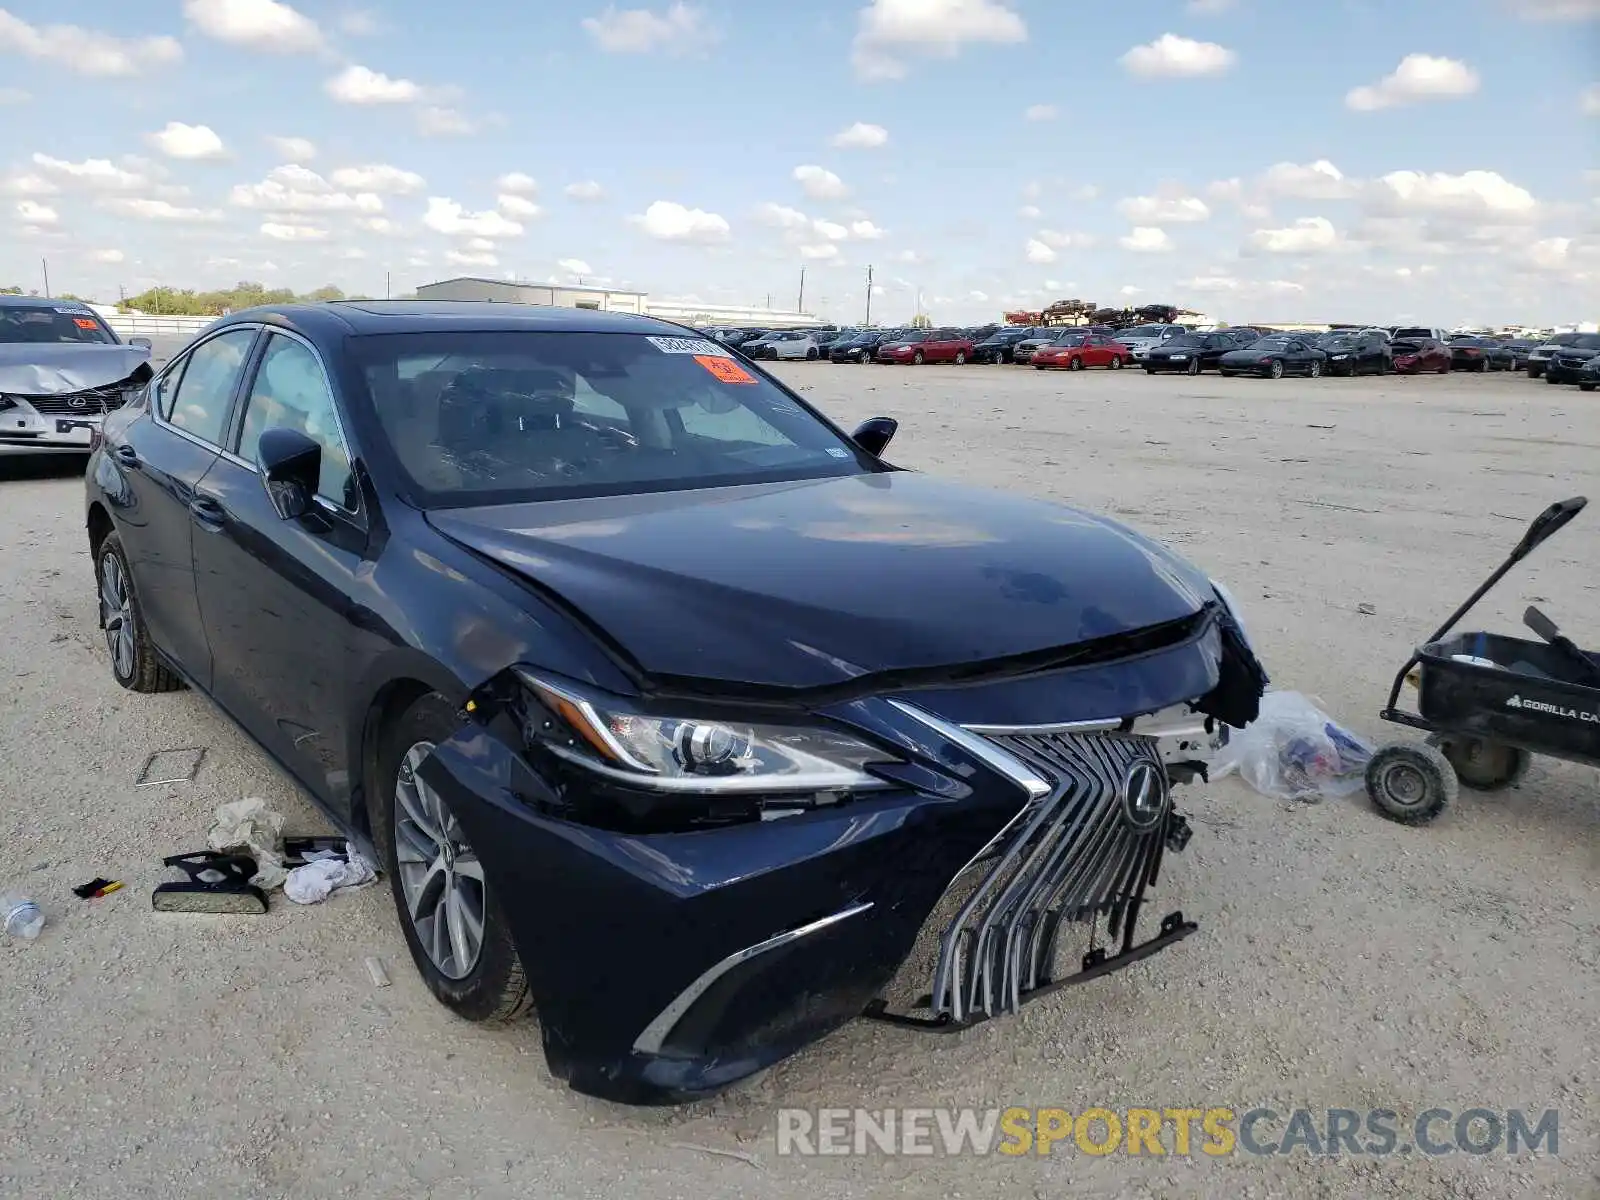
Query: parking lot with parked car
1340	960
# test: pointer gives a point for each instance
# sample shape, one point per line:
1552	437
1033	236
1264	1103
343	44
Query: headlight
684	754
1337	357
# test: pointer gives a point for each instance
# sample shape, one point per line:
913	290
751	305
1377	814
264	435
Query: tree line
187	302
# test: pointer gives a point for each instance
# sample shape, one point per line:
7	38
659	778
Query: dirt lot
1342	961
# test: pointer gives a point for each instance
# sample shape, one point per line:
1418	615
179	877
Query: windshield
911	337
1187	341
1415	331
1405	347
1070	339
503	417
1276	342
53	324
1142	331
1585	341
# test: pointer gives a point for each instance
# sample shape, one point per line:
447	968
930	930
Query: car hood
1577	352
820	582
1243	352
32	369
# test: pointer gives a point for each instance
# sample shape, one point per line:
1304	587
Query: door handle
207	512
127	456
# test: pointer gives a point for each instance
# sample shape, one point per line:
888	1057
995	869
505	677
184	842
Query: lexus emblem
78	402
1144	796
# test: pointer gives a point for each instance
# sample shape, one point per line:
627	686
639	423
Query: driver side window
291	392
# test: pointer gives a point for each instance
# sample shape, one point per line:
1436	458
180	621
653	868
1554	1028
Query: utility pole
386	285
869	296
45	263
769	301
800	305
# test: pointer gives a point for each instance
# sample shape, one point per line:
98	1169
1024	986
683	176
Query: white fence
128	325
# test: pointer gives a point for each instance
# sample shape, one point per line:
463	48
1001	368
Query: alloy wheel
116	615
440	873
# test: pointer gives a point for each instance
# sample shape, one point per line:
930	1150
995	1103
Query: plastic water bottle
24	918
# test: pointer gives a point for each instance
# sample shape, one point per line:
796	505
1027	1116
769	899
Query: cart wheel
1410	784
1484	766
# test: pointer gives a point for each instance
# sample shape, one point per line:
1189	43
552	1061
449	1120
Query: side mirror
291	464
874	434
143	343
1547	524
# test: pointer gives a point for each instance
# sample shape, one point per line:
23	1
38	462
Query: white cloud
293	149
819	183
1174	57
865	230
681	29
1041	112
147	209
575	266
1030	211
932	27
1062	241
1128	290
781	216
1320	180
1211	283
861	136
295	189
1473	193
668	221
360	85
378	177
14	95
258	24
513	205
27	184
480	244
588	189
818	251
436	120
830	230
1306	236
87	51
100	174
293	233
1589	101
31	212
911	257
106	256
463	258
1146	239
1418	77
178	140
1039	252
448	217
1159	208
517	184
1284	286
381	225
1550	254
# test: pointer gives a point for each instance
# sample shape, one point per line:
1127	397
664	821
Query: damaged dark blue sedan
673	712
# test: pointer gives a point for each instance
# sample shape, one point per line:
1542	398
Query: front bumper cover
667	966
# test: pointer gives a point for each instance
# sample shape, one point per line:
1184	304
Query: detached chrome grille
91	402
1085	850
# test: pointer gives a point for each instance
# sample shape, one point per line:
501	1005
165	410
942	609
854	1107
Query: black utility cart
1489	702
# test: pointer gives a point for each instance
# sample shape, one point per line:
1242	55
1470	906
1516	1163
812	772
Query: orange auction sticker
725	369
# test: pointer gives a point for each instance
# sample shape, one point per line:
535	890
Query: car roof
416	316
9	301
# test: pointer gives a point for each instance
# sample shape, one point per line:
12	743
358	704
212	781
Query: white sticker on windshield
75	309
683	345
838	453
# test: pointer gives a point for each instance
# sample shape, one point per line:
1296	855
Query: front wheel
1275	371
134	661
1075	363
1193	368
961	358
1411	784
1551	377
1038	366
811	354
452	923
1116	363
917	359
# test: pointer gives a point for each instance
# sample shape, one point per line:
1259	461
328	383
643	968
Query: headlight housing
691	755
1232	606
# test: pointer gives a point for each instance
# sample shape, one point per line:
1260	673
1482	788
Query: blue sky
1430	160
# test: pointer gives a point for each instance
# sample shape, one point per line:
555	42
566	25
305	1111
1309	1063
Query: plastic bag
326	873
1294	751
250	825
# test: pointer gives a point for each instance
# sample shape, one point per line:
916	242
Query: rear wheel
1313	369
1481	765
1410	784
453	925
811	354
134	661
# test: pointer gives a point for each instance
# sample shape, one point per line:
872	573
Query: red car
1413	356
930	345
1075	351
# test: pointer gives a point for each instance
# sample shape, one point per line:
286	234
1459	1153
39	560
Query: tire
917	359
1225	373
1314	369
811	354
134	661
1193	368
961	358
1116	362
1534	372
1075	363
1275	371
1038	366
493	987
1149	370
1385	366
1550	377
1586	387
1411	784
1481	765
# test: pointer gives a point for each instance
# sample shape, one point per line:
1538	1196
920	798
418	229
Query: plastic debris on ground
22	916
326	872
249	824
1294	751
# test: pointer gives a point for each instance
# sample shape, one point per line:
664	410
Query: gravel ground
1342	961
